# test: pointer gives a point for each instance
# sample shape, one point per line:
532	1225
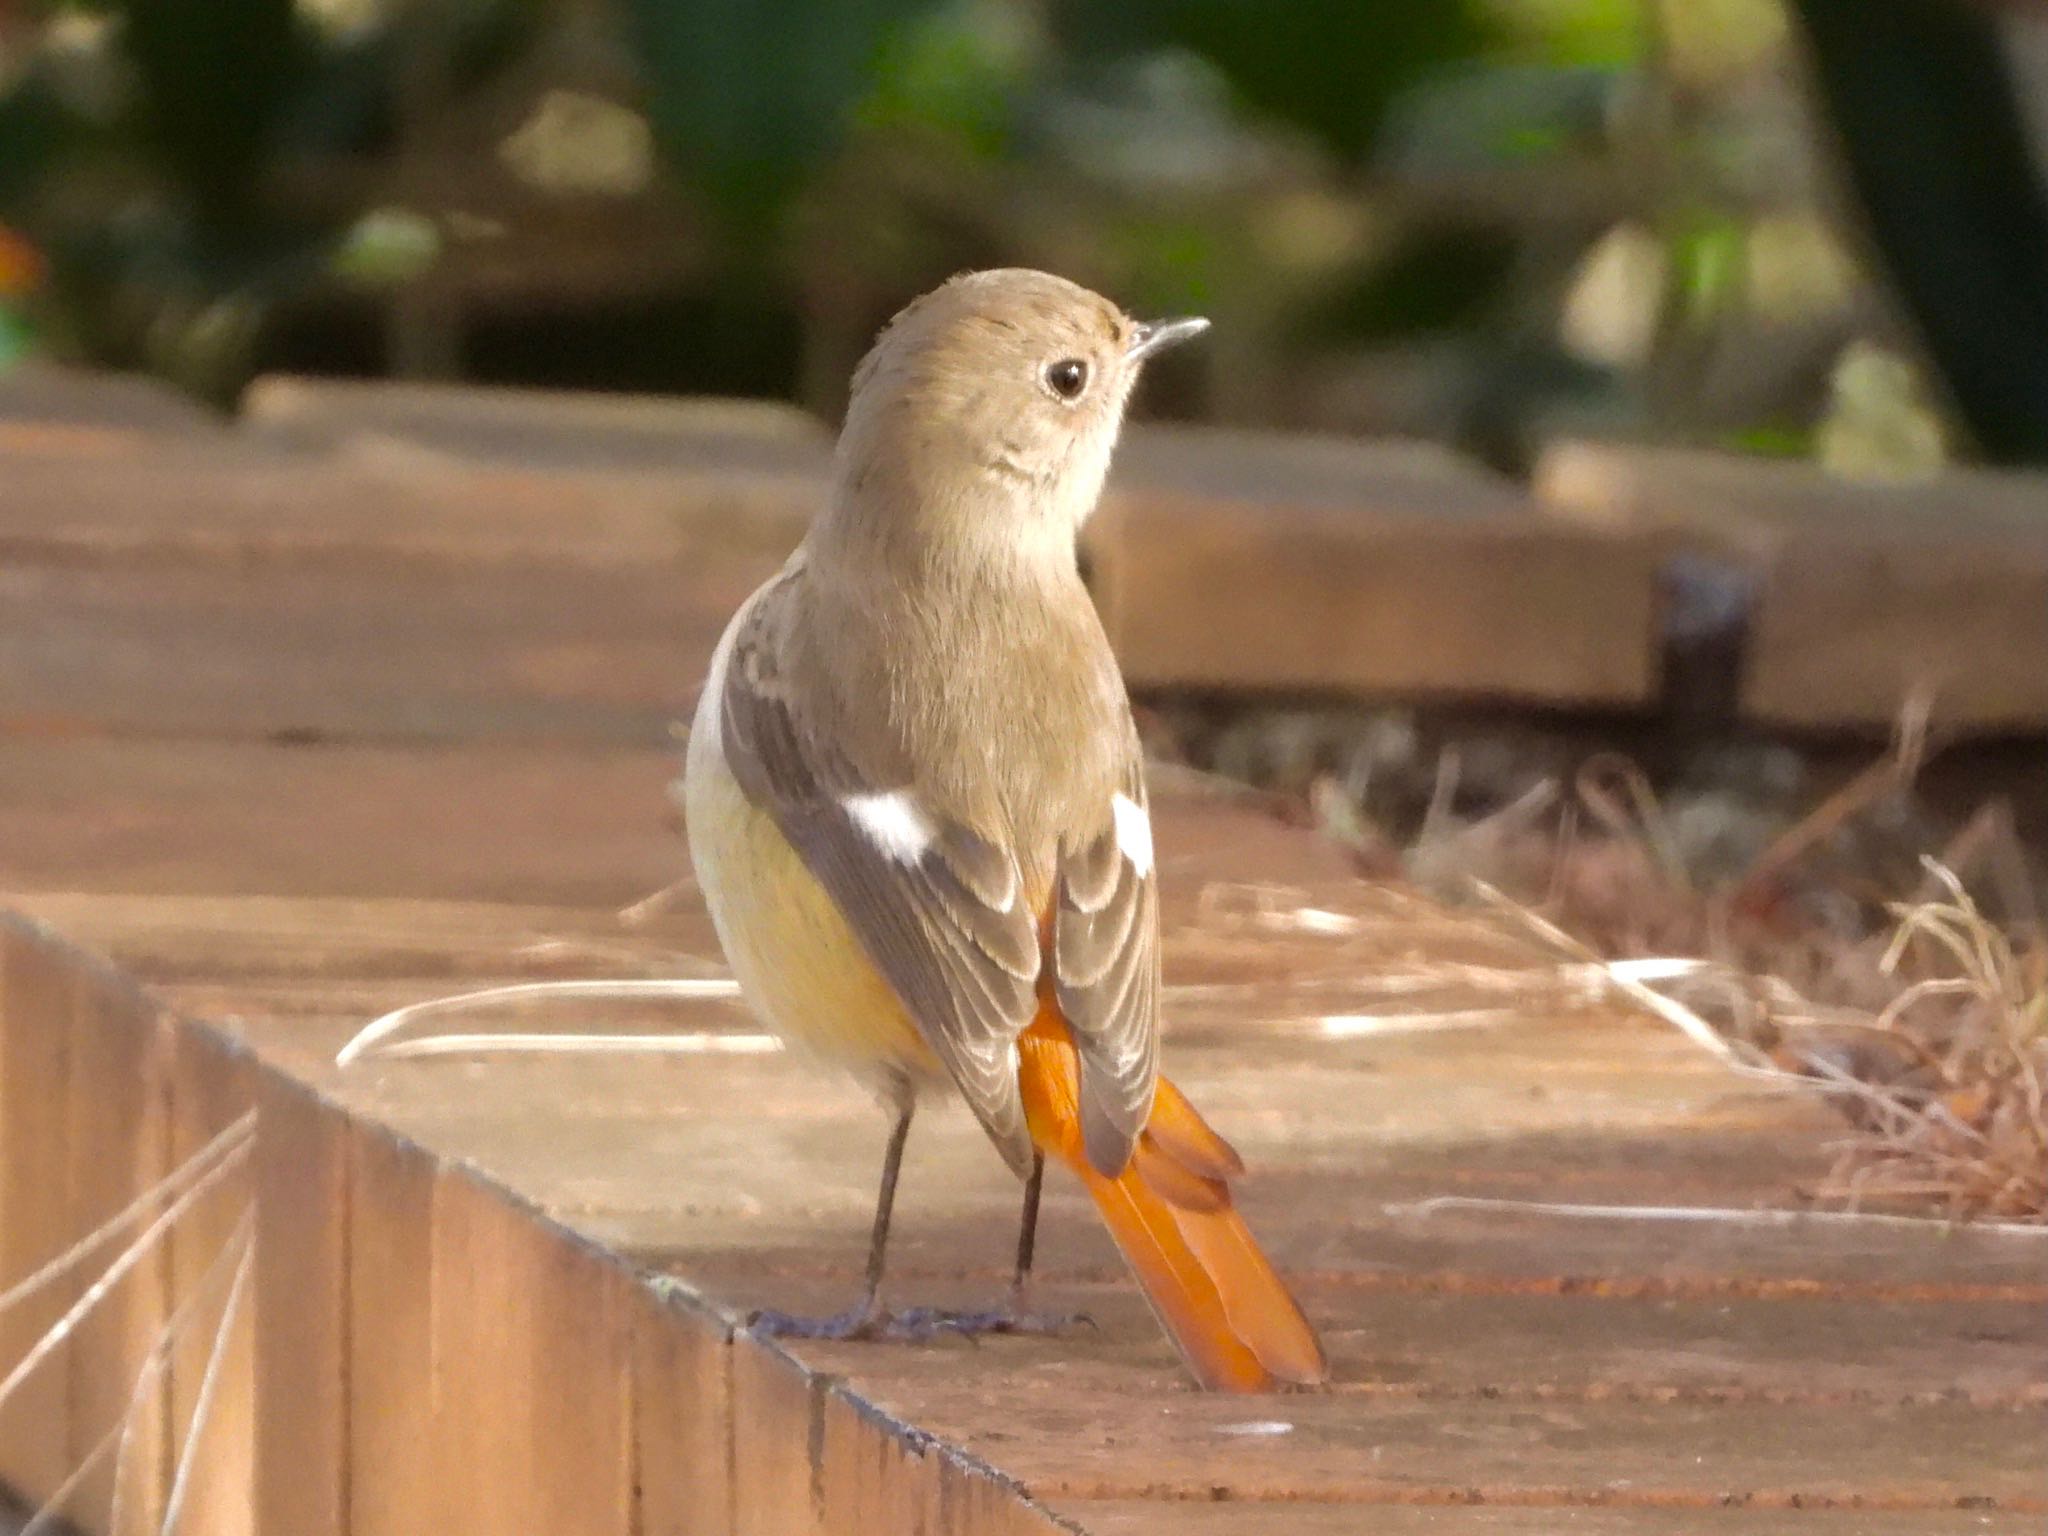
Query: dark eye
1067	377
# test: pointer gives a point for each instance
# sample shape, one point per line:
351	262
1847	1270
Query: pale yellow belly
796	959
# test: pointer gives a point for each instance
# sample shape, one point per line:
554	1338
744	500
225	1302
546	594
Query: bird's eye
1067	377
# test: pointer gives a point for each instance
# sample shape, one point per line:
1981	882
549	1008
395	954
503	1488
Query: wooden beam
1857	594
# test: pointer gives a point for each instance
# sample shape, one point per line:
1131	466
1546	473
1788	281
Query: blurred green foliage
1395	209
749	96
1330	68
214	80
1599	34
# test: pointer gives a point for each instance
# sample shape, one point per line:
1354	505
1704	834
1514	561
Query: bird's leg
866	1318
869	1319
885	1207
1027	1232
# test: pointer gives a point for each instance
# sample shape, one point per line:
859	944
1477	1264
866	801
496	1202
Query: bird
916	808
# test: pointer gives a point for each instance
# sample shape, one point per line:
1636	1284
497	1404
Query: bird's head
988	409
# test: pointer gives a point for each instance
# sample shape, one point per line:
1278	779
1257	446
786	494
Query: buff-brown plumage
914	790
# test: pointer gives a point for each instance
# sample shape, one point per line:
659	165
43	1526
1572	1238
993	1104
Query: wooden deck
295	731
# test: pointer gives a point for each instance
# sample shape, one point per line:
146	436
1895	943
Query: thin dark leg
885	1205
1027	1228
867	1317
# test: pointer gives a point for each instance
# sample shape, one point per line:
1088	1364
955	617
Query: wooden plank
1858	594
778	1430
1631	485
526	824
1424	1346
682	1414
1368	476
536	426
1184	1517
1235	561
1571	1388
120	1144
1627	1109
31	442
37	1062
873	1472
213	1089
1418	1354
118	1102
335	947
362	652
1201	592
44	392
529	1320
301	1362
546	824
241	501
1849	635
1488	1350
1225	560
821	1462
393	1391
1091	1443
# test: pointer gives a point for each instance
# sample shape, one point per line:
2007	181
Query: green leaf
1769	441
749	97
1332	68
386	247
1708	258
1597	33
216	78
14	339
957	72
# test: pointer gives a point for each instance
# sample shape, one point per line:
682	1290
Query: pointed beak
1150	336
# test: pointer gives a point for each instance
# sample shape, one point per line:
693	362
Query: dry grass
1961	1121
1876	979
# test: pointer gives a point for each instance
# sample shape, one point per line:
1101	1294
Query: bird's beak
1150	336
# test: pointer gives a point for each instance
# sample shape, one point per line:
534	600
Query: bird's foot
864	1321
932	1322
871	1320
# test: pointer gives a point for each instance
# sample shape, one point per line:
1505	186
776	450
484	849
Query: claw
860	1322
914	1325
998	1320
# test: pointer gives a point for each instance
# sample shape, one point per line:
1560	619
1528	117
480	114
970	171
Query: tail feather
1186	1137
1172	1217
1174	1181
1261	1311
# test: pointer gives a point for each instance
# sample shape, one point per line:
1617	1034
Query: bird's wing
1105	956
939	907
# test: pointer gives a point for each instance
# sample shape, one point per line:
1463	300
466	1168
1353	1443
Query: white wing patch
893	823
1133	833
1009	902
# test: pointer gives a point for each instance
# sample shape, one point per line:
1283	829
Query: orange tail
1170	1212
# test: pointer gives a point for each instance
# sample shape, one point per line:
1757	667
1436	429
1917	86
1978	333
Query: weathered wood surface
568	428
1247	561
1858	594
455	1261
509	1293
75	405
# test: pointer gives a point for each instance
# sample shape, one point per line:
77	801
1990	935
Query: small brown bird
917	809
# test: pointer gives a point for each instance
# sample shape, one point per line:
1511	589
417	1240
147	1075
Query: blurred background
1812	230
1620	417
